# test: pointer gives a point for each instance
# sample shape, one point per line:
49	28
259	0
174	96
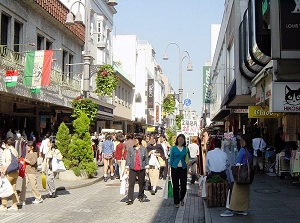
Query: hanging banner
206	83
262	112
190	127
150	95
285	97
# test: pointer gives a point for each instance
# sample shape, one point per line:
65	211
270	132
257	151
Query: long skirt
240	197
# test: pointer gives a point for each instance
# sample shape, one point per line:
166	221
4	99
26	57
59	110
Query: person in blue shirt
239	202
178	167
108	155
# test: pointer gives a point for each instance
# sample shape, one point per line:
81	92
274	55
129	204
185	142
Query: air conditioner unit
101	45
112	2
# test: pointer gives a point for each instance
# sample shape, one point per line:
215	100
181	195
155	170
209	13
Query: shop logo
292	97
297	7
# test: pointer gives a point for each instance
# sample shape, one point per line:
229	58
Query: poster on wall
285	97
150	94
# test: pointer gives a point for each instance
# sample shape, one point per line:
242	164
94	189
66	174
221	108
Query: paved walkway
273	199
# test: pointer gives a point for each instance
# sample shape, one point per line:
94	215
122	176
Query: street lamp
189	68
86	58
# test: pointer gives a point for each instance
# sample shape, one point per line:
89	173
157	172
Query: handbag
168	189
243	174
22	167
161	161
57	165
6	188
187	156
14	164
43	180
147	183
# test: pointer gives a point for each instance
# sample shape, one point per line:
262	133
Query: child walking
30	174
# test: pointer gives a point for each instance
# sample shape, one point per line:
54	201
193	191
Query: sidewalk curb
80	185
206	212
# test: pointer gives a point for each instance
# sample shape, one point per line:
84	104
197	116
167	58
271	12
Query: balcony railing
15	60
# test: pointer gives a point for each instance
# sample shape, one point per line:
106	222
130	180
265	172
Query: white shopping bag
124	184
202	186
6	189
165	194
58	165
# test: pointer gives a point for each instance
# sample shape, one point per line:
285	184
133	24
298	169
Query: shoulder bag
14	164
243	174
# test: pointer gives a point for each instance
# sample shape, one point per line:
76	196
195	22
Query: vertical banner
150	96
206	82
157	113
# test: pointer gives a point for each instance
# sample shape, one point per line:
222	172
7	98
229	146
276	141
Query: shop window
40	42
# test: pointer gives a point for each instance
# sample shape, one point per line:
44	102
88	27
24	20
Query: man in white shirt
194	152
44	145
216	161
258	145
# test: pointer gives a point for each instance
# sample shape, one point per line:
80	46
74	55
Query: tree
178	120
169	104
89	107
63	139
80	149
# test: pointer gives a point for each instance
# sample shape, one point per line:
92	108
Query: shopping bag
43	180
22	167
58	165
161	161
124	184
202	186
6	189
170	189
14	164
165	194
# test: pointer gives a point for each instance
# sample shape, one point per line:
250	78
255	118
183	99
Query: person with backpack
258	145
9	157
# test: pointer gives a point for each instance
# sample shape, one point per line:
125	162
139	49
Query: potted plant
106	81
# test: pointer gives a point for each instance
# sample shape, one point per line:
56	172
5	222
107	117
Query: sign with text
239	110
206	83
190	127
262	112
289	24
285	97
150	94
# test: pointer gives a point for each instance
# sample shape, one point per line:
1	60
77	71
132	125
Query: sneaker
37	201
112	177
152	192
13	208
129	202
241	213
105	179
176	205
2	208
182	203
227	213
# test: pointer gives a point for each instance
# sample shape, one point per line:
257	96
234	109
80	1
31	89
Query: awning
221	114
230	94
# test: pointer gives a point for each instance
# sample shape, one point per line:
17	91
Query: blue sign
187	102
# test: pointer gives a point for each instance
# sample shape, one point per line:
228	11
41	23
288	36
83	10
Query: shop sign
239	110
221	123
206	83
150	129
150	93
262	112
157	113
285	97
190	127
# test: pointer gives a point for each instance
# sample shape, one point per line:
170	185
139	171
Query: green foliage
178	120
90	168
106	81
89	107
67	163
63	139
216	179
169	104
80	148
171	133
76	171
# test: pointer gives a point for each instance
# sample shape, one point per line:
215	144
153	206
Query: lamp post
87	57
189	68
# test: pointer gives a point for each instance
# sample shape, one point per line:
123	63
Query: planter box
216	194
69	175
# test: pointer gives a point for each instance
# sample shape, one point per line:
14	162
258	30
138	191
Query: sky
185	22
